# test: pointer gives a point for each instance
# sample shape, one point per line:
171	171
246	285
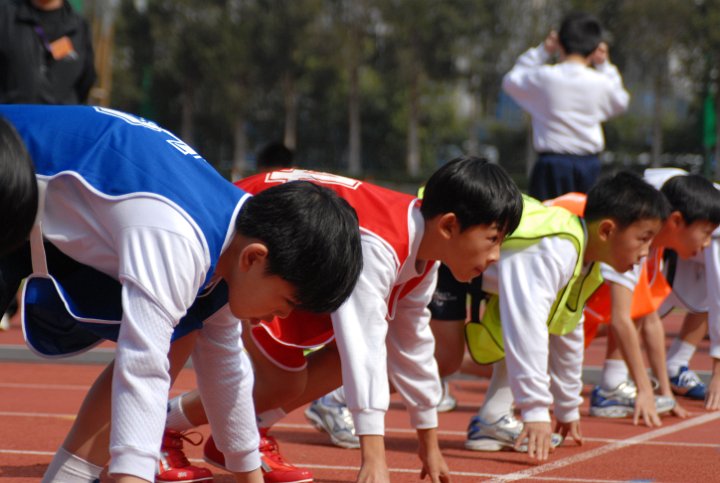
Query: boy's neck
576	59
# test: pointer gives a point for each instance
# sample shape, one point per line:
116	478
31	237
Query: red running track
38	402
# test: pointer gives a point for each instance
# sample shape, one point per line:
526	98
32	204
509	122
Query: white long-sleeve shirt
566	101
528	282
374	347
158	257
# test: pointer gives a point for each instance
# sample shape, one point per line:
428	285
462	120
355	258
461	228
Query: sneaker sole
487	444
318	424
612	412
683	392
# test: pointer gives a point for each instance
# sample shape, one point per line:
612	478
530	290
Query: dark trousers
556	174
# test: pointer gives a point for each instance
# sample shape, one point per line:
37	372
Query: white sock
267	418
679	355
614	373
68	468
176	418
498	398
334	398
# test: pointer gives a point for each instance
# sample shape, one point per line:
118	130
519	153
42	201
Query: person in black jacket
46	54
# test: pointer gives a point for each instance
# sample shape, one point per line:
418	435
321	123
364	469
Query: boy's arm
529	282
160	273
361	327
712	274
618	96
566	359
654	337
412	368
522	82
225	381
626	337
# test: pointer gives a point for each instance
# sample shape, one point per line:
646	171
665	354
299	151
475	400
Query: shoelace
269	447
688	379
174	454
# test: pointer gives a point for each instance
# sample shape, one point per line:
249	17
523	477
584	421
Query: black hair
580	33
626	198
274	155
476	191
19	193
695	197
313	241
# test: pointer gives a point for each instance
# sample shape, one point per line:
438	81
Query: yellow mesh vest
538	221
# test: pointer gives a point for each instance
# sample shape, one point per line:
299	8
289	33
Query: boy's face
255	294
472	251
627	246
689	239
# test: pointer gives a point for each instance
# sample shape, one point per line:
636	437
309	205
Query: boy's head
19	194
472	205
274	156
623	214
695	205
312	242
580	33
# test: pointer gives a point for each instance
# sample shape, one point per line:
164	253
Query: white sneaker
502	434
335	421
447	401
620	402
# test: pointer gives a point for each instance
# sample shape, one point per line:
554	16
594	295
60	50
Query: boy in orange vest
630	300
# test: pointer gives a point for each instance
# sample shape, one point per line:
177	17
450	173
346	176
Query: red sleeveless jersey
381	212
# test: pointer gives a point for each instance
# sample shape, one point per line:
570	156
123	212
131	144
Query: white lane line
353	468
620	444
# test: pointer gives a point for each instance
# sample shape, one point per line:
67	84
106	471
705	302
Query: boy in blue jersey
134	237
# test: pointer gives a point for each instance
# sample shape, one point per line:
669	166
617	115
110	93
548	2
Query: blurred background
390	89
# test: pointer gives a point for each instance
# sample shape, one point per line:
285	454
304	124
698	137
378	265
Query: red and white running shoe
173	466
274	467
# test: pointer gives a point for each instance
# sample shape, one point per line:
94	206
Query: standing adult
567	102
46	54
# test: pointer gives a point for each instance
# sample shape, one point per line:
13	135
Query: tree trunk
657	135
716	151
239	167
354	121
473	143
187	114
291	111
413	138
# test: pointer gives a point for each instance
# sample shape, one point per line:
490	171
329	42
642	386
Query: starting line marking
620	444
357	468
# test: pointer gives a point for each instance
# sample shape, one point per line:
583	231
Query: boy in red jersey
383	331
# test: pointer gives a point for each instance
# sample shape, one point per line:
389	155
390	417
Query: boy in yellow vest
531	329
633	298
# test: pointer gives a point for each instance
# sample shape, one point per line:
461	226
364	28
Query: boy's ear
676	219
447	225
605	229
251	254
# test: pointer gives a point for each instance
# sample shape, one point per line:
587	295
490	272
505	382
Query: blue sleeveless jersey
120	156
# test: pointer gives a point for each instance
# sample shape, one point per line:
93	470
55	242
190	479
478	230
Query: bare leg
449	344
694	328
